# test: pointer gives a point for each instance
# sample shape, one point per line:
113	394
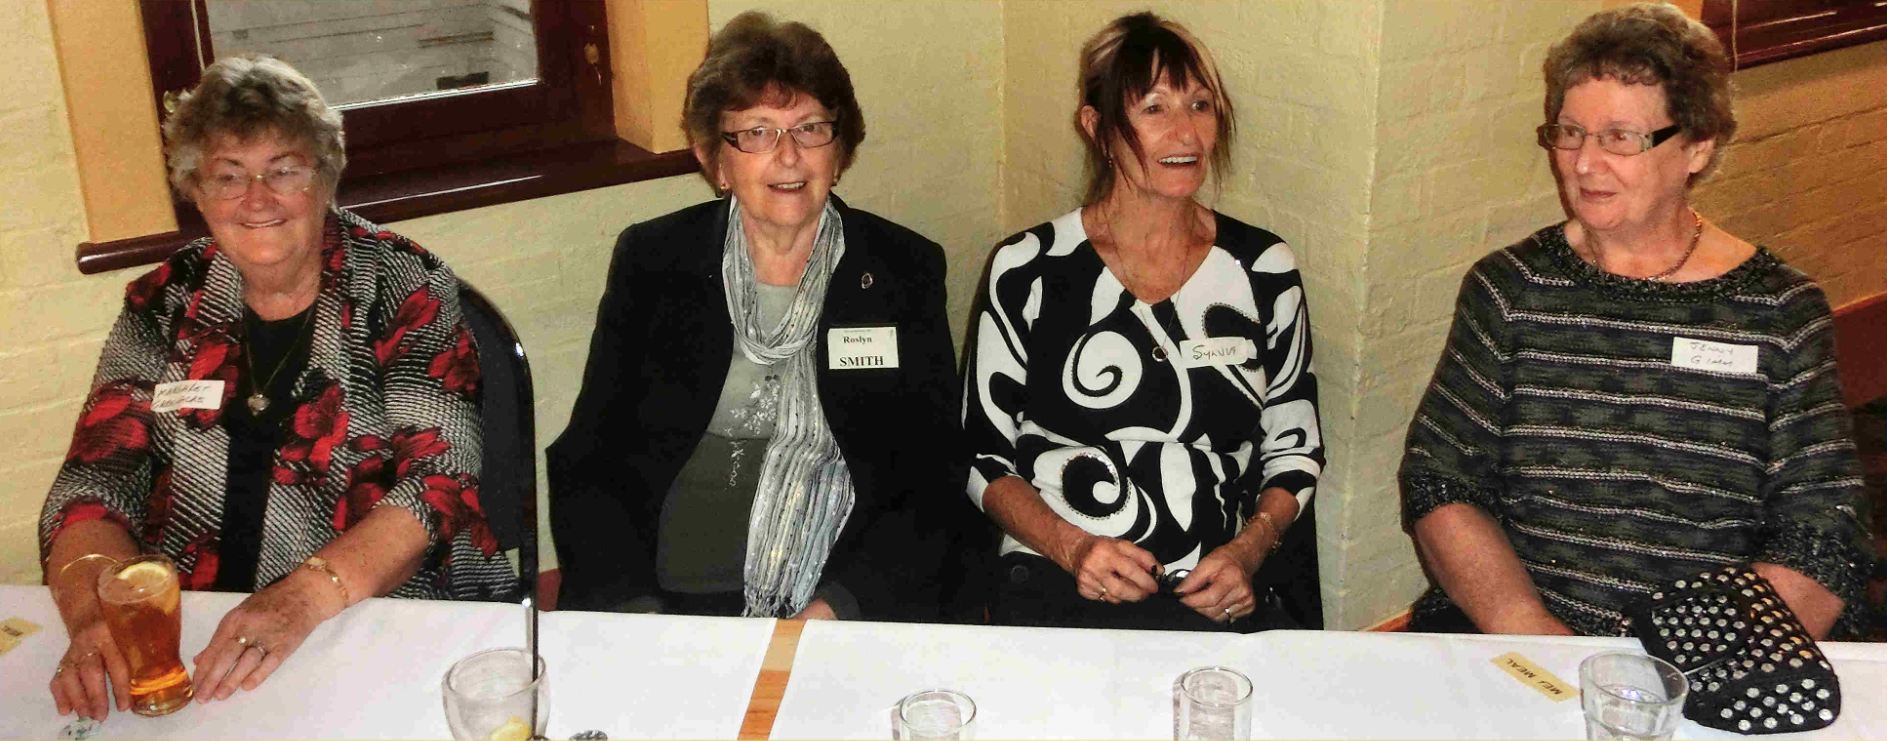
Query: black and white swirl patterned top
1156	423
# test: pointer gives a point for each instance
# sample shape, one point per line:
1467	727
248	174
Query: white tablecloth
374	672
1047	683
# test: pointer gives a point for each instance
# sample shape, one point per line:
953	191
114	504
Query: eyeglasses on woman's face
231	183
1624	142
762	139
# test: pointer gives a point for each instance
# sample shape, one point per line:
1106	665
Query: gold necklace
258	400
1696	236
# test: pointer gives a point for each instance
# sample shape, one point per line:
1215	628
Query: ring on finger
243	641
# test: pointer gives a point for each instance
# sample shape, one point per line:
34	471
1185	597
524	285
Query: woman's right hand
92	676
1112	570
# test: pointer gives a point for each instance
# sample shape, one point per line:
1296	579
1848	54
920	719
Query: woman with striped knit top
1634	395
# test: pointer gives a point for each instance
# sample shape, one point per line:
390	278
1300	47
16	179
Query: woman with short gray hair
327	446
1634	395
765	426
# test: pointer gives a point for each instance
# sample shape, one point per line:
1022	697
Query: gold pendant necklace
258	400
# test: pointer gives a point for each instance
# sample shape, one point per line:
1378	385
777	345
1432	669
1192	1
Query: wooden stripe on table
775	669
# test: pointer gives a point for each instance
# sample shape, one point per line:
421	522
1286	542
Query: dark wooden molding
1766	31
410	194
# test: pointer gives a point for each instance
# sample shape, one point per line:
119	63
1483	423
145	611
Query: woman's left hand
1220	586
259	634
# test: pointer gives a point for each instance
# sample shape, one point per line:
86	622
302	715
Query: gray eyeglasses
283	179
762	139
1617	141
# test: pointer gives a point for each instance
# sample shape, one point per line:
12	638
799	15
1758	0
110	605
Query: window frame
411	158
1757	33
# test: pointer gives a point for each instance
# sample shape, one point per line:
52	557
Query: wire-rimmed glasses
284	180
762	139
1624	142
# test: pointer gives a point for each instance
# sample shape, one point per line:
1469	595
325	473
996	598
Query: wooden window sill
415	193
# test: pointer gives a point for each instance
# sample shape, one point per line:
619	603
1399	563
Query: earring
724	186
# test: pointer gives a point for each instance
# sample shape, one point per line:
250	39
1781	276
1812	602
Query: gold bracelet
320	565
1277	535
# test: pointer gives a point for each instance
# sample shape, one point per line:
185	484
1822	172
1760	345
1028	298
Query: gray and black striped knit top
1617	453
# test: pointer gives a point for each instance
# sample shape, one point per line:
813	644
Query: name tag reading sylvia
1215	351
858	348
1712	356
170	397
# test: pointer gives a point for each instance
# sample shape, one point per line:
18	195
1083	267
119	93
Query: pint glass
139	599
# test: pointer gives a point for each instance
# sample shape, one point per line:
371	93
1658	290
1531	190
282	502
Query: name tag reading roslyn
170	397
1213	351
1713	356
859	348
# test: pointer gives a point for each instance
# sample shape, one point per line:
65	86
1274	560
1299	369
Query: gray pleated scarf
805	491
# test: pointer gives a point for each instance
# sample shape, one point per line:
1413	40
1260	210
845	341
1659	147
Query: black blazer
657	360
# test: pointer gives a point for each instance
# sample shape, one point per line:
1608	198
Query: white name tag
1213	351
1713	356
856	348
170	397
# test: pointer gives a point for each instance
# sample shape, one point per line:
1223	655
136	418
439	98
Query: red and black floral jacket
386	414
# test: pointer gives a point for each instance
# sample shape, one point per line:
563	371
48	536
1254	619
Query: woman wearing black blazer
767	421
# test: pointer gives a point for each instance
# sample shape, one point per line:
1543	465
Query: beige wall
1807	175
1388	140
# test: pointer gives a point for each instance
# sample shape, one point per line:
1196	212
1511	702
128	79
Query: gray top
1616	464
701	546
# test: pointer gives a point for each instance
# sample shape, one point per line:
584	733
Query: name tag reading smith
857	348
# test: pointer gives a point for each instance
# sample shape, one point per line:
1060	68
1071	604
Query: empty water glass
935	714
1212	702
493	696
1630	696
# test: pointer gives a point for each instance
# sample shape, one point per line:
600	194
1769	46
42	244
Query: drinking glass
139	600
1212	702
1630	696
489	696
935	714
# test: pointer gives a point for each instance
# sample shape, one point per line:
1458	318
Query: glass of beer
139	599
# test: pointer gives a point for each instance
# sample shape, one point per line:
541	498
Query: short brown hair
1124	61
1650	44
755	59
247	96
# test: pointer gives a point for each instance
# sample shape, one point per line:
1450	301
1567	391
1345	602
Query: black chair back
508	477
1291	573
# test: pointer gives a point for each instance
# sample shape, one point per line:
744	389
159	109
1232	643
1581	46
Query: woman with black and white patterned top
1140	400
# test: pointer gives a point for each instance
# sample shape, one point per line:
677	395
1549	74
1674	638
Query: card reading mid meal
1530	674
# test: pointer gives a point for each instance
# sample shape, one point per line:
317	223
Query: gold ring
259	649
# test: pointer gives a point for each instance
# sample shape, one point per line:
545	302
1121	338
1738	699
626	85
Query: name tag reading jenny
856	348
1712	356
170	397
1213	351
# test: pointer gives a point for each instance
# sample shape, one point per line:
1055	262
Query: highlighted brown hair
1122	63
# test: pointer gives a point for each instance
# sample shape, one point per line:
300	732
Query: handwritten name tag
1213	351
1531	675
170	397
858	348
1712	356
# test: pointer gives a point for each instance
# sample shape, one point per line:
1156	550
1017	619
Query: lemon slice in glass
513	730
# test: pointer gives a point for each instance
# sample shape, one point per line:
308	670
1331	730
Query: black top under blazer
658	358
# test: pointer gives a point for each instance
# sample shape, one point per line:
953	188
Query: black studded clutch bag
1752	666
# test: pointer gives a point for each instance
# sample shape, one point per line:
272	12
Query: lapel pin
865	281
